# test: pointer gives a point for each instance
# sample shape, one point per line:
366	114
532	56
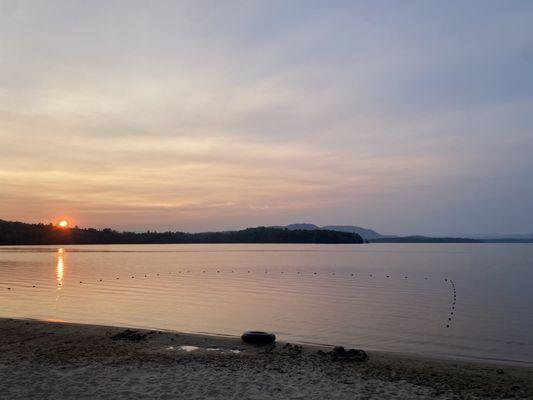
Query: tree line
19	233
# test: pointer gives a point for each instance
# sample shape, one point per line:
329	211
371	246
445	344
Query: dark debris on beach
131	335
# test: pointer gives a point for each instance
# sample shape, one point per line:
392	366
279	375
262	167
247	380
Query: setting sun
63	223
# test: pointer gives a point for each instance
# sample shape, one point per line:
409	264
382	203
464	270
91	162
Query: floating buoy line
453	291
448	281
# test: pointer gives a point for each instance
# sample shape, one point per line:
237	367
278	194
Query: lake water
468	301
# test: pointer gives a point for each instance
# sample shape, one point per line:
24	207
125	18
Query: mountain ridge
365	233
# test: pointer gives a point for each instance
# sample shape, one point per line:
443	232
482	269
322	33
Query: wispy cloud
198	115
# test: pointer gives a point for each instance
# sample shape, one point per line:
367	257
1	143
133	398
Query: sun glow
63	223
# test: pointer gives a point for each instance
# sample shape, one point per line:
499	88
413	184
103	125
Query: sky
408	117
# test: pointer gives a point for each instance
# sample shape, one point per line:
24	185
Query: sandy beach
49	360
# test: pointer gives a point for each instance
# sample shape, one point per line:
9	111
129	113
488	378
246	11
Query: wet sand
48	360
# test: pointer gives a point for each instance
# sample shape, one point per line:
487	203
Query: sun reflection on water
60	268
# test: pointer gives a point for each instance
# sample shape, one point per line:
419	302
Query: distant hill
309	227
424	239
375	237
19	233
502	237
365	233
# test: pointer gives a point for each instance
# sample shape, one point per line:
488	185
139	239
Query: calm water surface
393	297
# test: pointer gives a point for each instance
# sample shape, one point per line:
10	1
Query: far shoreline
355	245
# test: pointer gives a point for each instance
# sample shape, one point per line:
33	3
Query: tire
258	338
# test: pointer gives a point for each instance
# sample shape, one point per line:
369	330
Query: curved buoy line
450	282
